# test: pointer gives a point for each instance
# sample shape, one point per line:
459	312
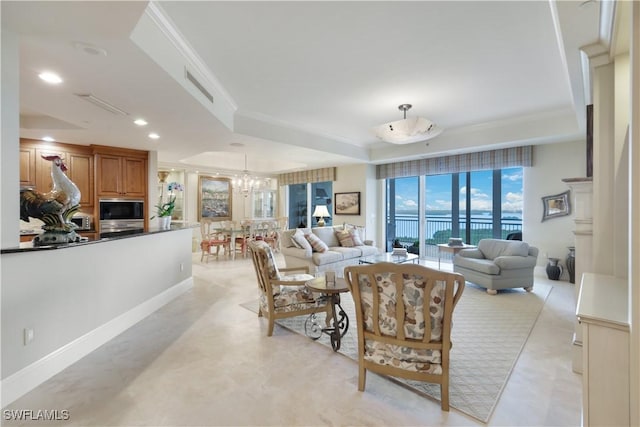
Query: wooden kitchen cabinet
120	174
27	166
79	161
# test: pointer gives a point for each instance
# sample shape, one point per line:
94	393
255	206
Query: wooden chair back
215	236
403	319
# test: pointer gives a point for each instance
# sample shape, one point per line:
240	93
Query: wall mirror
556	205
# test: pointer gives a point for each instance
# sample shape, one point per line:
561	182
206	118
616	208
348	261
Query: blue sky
439	191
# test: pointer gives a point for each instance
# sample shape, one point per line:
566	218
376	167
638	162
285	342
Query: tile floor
202	360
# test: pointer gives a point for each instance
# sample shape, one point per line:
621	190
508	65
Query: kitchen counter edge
29	247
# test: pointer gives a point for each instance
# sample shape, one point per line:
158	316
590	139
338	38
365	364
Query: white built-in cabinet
603	315
263	204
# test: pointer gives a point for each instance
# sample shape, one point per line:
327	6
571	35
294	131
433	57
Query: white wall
359	177
75	291
551	163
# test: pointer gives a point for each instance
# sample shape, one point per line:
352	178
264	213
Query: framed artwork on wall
347	203
556	205
214	198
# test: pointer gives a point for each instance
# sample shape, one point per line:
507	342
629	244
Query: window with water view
470	205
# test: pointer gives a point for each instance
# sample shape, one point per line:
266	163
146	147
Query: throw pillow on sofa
356	234
300	241
315	242
345	238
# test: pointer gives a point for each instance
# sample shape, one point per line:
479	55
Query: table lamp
321	212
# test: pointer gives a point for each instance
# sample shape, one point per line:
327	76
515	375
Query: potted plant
164	210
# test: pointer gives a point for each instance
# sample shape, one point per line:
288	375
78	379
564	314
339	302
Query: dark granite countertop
29	247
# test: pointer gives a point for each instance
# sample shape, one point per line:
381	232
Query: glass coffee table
390	257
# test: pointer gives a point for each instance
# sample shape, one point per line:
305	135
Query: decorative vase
164	222
571	264
554	270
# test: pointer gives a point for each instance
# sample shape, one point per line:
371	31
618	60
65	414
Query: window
403	201
301	196
470	205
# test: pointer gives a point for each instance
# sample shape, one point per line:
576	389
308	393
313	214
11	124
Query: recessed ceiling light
48	139
154	135
140	122
90	49
50	77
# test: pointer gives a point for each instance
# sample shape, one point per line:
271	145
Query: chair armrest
508	262
304	268
471	253
288	282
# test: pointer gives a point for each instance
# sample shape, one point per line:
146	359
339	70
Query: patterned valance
302	177
494	159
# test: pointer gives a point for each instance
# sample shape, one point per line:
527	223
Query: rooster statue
53	208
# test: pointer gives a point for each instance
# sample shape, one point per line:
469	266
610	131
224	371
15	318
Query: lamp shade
406	131
321	211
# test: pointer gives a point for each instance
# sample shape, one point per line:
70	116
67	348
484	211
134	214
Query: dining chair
403	319
242	236
213	236
283	295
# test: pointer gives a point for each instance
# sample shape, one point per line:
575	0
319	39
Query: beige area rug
488	335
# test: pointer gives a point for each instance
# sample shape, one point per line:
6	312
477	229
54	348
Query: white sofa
334	259
498	264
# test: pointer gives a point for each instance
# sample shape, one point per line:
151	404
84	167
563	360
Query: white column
603	168
582	200
634	214
10	142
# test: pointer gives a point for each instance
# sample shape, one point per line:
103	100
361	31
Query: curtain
303	177
494	159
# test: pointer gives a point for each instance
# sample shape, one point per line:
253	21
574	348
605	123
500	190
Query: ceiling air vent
101	103
197	84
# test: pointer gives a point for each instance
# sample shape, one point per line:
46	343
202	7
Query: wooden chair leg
270	327
362	378
444	395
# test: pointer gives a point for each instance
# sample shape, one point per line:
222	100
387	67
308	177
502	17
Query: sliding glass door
468	205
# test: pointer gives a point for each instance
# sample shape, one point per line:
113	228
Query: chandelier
245	184
407	130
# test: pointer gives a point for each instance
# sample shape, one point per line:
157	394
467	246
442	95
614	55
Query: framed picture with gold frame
214	198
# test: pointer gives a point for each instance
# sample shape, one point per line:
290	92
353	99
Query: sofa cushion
326	257
317	244
485	266
347	253
327	235
366	250
492	248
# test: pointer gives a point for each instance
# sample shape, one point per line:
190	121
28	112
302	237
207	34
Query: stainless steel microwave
121	209
83	221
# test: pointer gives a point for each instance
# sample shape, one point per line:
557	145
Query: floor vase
554	270
570	262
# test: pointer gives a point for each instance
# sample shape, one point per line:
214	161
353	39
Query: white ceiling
300	85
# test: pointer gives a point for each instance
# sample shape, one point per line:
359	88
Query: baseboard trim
28	378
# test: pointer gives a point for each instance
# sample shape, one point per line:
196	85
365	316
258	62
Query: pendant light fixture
409	130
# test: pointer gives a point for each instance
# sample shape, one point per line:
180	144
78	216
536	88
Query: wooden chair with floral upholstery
283	295
412	336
